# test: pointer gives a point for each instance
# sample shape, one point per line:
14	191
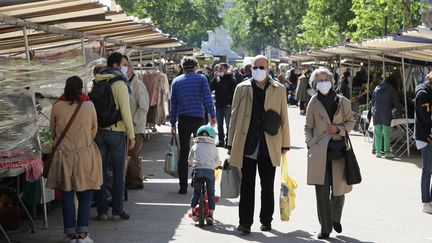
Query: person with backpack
110	95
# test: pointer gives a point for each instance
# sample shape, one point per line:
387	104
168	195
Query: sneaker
427	208
195	218
119	217
87	239
69	238
102	217
182	191
389	156
209	220
378	155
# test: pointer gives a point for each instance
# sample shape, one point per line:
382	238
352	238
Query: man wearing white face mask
328	121
114	126
258	136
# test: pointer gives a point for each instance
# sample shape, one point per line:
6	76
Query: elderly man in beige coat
139	104
251	146
328	120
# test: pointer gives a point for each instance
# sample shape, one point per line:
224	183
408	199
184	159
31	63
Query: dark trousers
187	125
302	105
266	172
329	208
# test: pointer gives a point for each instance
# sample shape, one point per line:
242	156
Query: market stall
41	44
412	46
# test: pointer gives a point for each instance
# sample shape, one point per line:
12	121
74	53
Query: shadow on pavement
275	236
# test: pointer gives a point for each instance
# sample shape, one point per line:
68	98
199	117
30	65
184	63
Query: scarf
82	97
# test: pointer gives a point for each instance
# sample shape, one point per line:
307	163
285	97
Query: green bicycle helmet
208	129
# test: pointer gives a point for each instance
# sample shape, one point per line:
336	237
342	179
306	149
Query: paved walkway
384	208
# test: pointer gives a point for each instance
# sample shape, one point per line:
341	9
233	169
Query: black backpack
103	100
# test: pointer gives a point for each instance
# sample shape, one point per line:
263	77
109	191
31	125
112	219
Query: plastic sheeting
18	128
19	120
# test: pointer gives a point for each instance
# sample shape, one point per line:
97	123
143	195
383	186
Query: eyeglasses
260	67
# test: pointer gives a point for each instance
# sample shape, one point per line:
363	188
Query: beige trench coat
77	163
275	99
317	139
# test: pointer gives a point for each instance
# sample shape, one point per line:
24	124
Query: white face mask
124	70
258	74
324	87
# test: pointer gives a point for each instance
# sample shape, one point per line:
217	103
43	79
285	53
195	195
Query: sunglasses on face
260	67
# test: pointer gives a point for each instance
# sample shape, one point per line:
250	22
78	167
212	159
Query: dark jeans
209	174
426	190
112	146
266	172
70	221
223	113
329	208
187	125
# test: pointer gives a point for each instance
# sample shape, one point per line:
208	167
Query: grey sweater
204	154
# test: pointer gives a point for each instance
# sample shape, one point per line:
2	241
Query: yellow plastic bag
287	194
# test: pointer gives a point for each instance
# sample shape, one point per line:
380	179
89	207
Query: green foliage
326	22
254	25
290	25
369	20
188	20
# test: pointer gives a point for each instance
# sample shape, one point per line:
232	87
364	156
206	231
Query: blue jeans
112	146
223	112
70	221
426	190
209	174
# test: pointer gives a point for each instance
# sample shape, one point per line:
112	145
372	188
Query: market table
399	147
15	172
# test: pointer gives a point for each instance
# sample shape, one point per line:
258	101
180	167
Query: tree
326	22
188	20
370	15
254	25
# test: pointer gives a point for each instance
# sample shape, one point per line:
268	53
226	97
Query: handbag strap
348	138
174	140
68	125
284	168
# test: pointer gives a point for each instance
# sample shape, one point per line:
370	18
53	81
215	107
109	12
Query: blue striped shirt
190	92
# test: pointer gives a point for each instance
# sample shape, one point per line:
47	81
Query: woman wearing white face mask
328	120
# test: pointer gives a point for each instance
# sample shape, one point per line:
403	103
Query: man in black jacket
224	85
423	137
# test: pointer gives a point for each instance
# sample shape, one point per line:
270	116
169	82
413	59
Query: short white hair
321	70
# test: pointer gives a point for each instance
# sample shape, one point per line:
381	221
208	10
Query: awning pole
141	64
26	44
406	104
368	84
83	50
384	72
352	75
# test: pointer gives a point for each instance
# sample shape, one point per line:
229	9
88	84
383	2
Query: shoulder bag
352	169
47	162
